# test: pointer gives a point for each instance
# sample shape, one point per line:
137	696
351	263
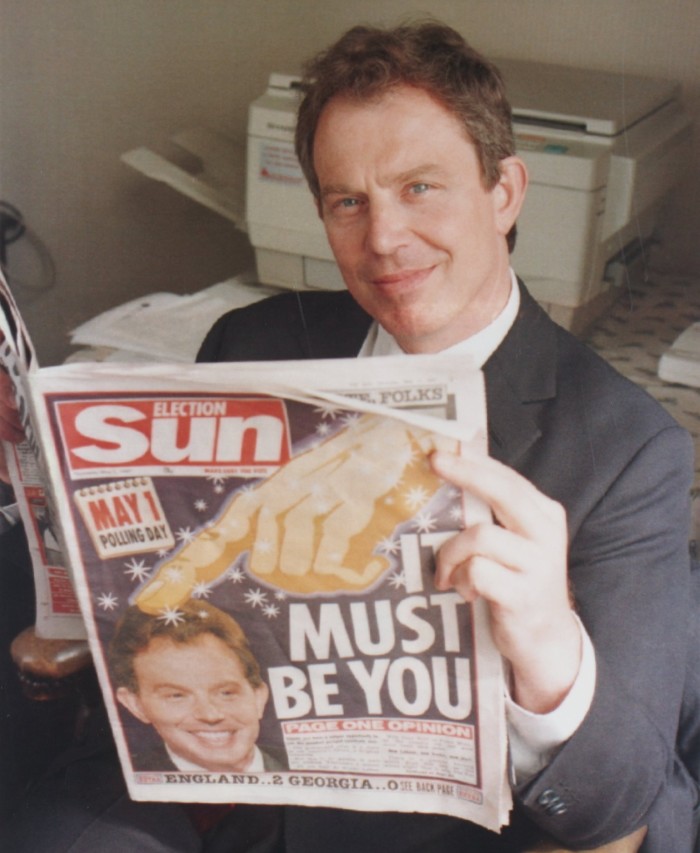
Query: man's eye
347	203
419	189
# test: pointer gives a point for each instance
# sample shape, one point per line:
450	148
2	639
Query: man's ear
509	193
132	703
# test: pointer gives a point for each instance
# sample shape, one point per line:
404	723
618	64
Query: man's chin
222	756
216	764
411	333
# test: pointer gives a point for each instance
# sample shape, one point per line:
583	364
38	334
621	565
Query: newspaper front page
253	551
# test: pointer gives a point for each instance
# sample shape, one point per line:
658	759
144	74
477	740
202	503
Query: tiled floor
635	332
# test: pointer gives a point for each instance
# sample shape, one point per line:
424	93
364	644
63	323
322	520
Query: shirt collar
479	347
182	764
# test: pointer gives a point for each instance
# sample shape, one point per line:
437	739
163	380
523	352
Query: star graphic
200	505
217	479
173	574
456	514
328	410
389	545
246	491
171	616
256	597
235	574
280	595
323	429
415	497
137	570
264	546
424	522
107	601
351	419
184	534
271	611
201	590
397	580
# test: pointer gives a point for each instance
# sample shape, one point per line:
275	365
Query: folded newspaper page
57	610
253	551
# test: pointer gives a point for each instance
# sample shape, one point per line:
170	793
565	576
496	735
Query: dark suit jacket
622	468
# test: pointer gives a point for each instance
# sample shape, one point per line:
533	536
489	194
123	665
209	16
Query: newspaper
252	548
57	610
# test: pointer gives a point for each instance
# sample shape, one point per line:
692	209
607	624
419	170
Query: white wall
81	81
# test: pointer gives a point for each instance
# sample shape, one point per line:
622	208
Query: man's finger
493	543
515	502
480	577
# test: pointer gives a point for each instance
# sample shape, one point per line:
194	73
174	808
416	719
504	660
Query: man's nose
387	229
206	709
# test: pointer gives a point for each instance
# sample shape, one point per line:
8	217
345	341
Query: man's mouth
214	738
401	278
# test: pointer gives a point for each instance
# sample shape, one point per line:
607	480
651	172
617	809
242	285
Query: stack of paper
164	326
681	363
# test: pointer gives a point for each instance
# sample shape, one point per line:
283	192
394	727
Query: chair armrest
49	669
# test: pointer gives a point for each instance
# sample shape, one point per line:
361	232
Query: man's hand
519	566
10	426
315	524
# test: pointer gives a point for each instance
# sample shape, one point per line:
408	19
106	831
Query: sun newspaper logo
245	435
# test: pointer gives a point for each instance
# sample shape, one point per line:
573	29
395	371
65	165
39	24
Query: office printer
603	150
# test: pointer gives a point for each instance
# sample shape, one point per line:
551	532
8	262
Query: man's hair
192	619
366	62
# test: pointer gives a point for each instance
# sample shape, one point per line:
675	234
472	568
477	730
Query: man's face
199	701
419	240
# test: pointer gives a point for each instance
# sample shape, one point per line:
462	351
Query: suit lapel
336	333
520	377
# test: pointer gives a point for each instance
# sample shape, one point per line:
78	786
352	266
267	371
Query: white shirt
534	738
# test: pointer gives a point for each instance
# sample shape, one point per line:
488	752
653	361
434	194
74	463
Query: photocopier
604	152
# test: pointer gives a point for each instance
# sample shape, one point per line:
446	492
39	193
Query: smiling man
405	138
198	684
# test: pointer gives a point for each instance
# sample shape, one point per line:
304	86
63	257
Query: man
198	684
404	136
405	139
